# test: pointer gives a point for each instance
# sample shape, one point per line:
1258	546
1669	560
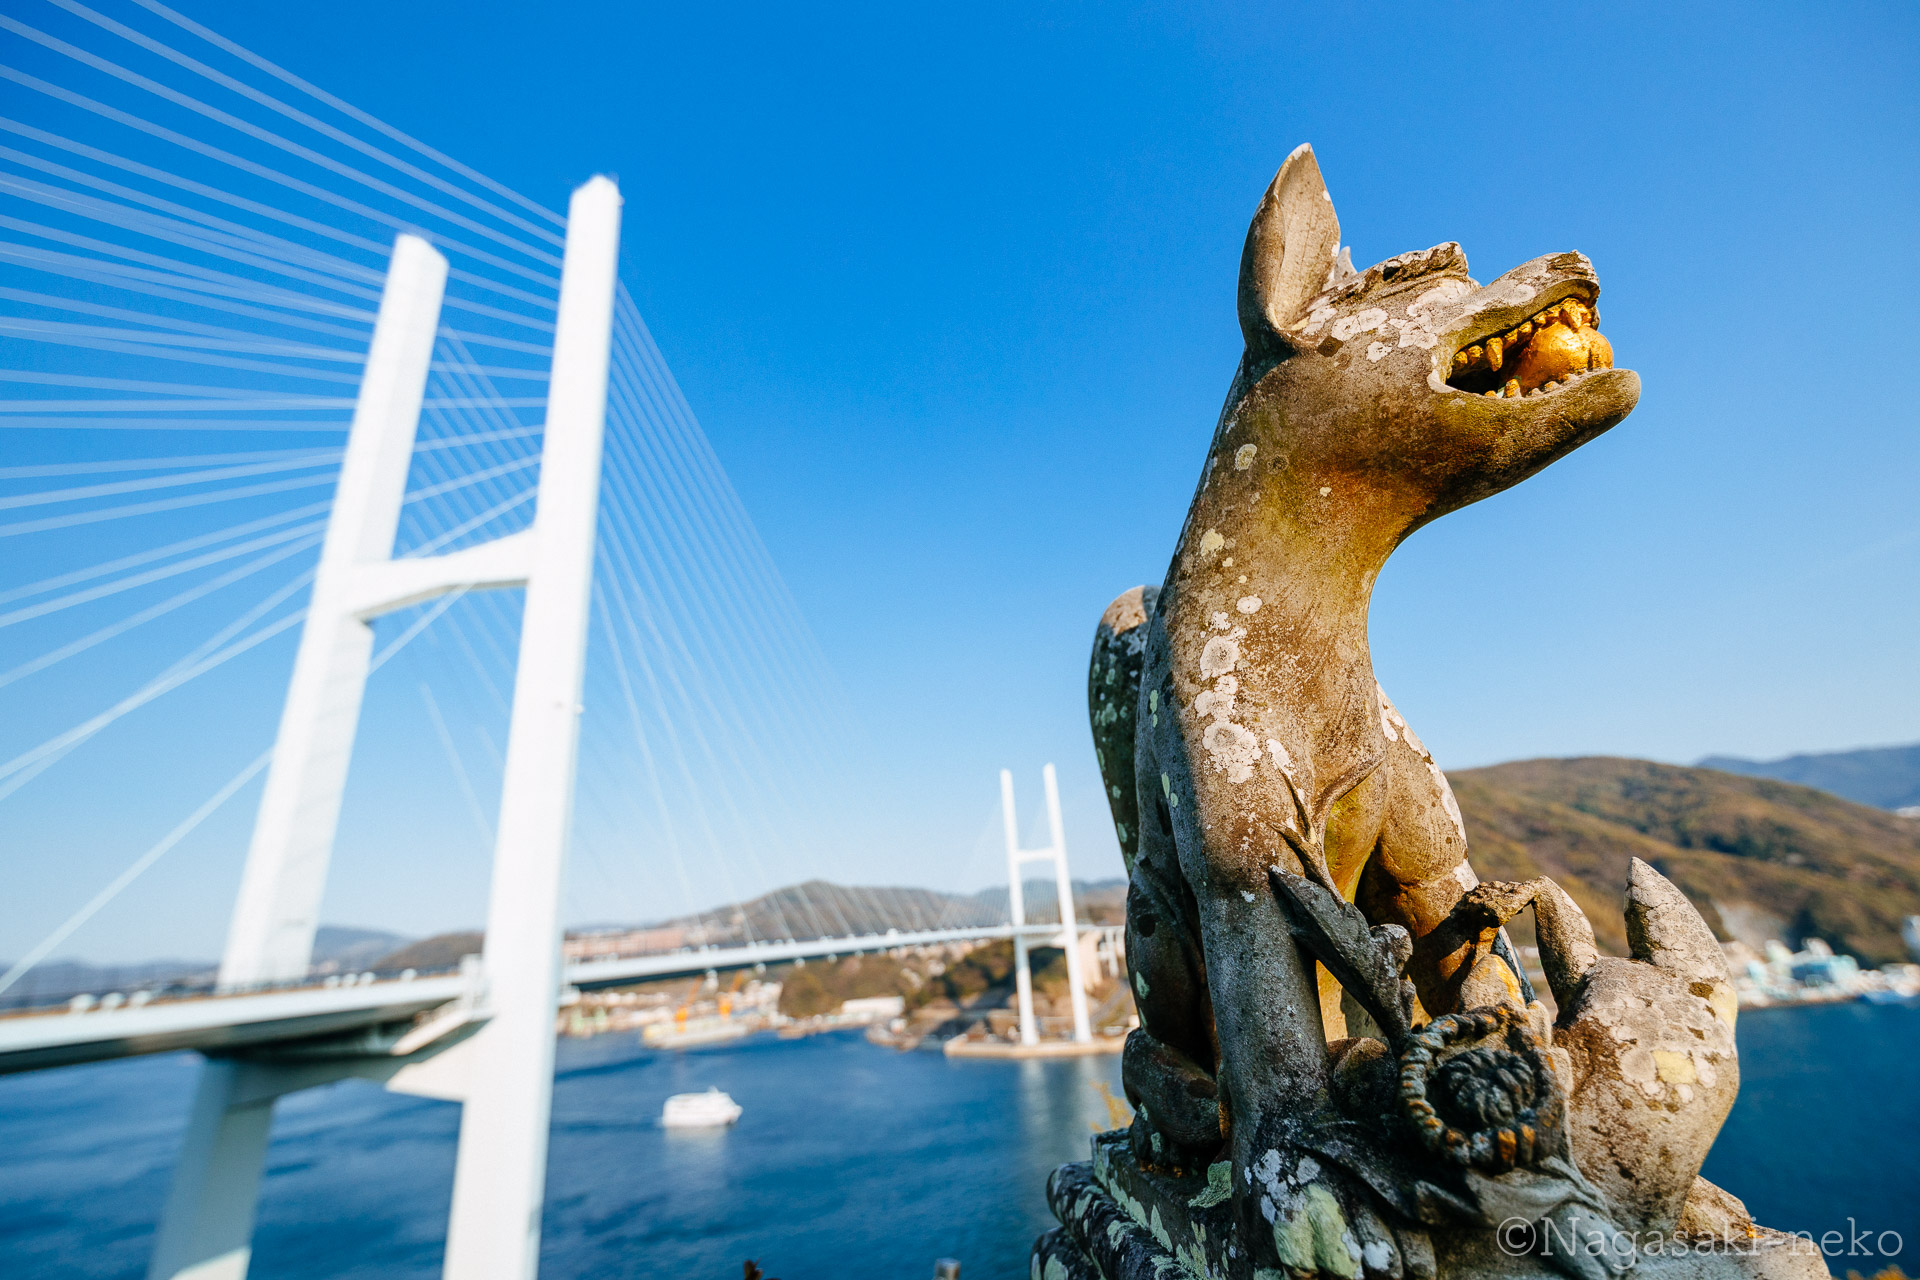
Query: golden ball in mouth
1548	348
1560	350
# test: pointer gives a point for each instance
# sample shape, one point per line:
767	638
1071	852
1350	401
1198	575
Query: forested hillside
1758	857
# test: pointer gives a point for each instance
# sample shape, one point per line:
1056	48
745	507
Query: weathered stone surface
1295	853
1654	1064
1122	1222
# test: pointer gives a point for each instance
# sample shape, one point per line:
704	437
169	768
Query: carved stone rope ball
1491	1107
1485	1088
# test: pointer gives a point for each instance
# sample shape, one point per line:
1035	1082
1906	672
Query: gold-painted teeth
1512	391
1495	353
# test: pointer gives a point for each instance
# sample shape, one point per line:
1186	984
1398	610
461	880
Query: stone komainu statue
1340	1067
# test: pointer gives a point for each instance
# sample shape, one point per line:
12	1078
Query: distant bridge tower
1056	853
503	1071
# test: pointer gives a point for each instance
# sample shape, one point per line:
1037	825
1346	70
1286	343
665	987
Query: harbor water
850	1161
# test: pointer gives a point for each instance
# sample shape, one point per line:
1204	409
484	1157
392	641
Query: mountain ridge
1758	857
1884	777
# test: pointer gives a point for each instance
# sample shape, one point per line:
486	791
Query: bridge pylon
494	1044
1017	858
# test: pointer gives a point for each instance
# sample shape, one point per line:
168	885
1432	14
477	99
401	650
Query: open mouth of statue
1554	346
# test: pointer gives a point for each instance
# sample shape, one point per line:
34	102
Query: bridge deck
216	1022
220	1023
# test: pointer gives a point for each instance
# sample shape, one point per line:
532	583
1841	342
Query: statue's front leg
1418	873
1297	1207
1168	1065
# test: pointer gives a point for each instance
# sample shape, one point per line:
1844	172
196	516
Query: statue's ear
1290	249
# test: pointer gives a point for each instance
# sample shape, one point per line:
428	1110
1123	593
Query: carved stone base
1120	1222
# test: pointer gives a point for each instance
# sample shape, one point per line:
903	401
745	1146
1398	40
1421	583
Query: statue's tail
1113	699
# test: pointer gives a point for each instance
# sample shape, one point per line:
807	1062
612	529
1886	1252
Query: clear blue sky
951	291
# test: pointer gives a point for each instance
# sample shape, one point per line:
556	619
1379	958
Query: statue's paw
1161	1152
1325	1222
1651	1042
1176	1104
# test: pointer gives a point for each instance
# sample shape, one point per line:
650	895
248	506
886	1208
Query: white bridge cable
761	658
631	554
482	824
631	582
613	600
387	222
305	461
176	462
160	276
780	677
227	199
613	584
173	223
182	396
15	772
204	657
67	266
498	637
351	112
285	145
289	262
164	327
112	890
26	613
376	250
181	547
182	350
160	269
717	754
198	224
189	229
665	821
187	826
683	455
232	493
114	630
634	584
301	117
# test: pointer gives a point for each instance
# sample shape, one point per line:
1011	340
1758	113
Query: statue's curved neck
1296	570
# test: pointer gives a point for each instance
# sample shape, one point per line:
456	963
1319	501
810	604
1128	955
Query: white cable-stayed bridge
354	523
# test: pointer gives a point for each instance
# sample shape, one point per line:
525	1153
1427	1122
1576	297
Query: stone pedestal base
1120	1222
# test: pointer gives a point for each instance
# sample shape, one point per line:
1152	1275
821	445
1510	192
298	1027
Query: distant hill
441	951
336	949
342	949
1094	901
1885	777
55	981
819	907
1758	857
816	908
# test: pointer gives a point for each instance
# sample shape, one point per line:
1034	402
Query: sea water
850	1160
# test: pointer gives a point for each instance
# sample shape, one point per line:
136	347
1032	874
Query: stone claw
1565	938
1369	962
1665	931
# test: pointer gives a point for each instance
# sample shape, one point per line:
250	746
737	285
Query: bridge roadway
311	1016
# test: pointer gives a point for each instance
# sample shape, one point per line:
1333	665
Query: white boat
709	1110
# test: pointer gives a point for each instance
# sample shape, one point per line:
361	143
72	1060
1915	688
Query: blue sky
952	295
